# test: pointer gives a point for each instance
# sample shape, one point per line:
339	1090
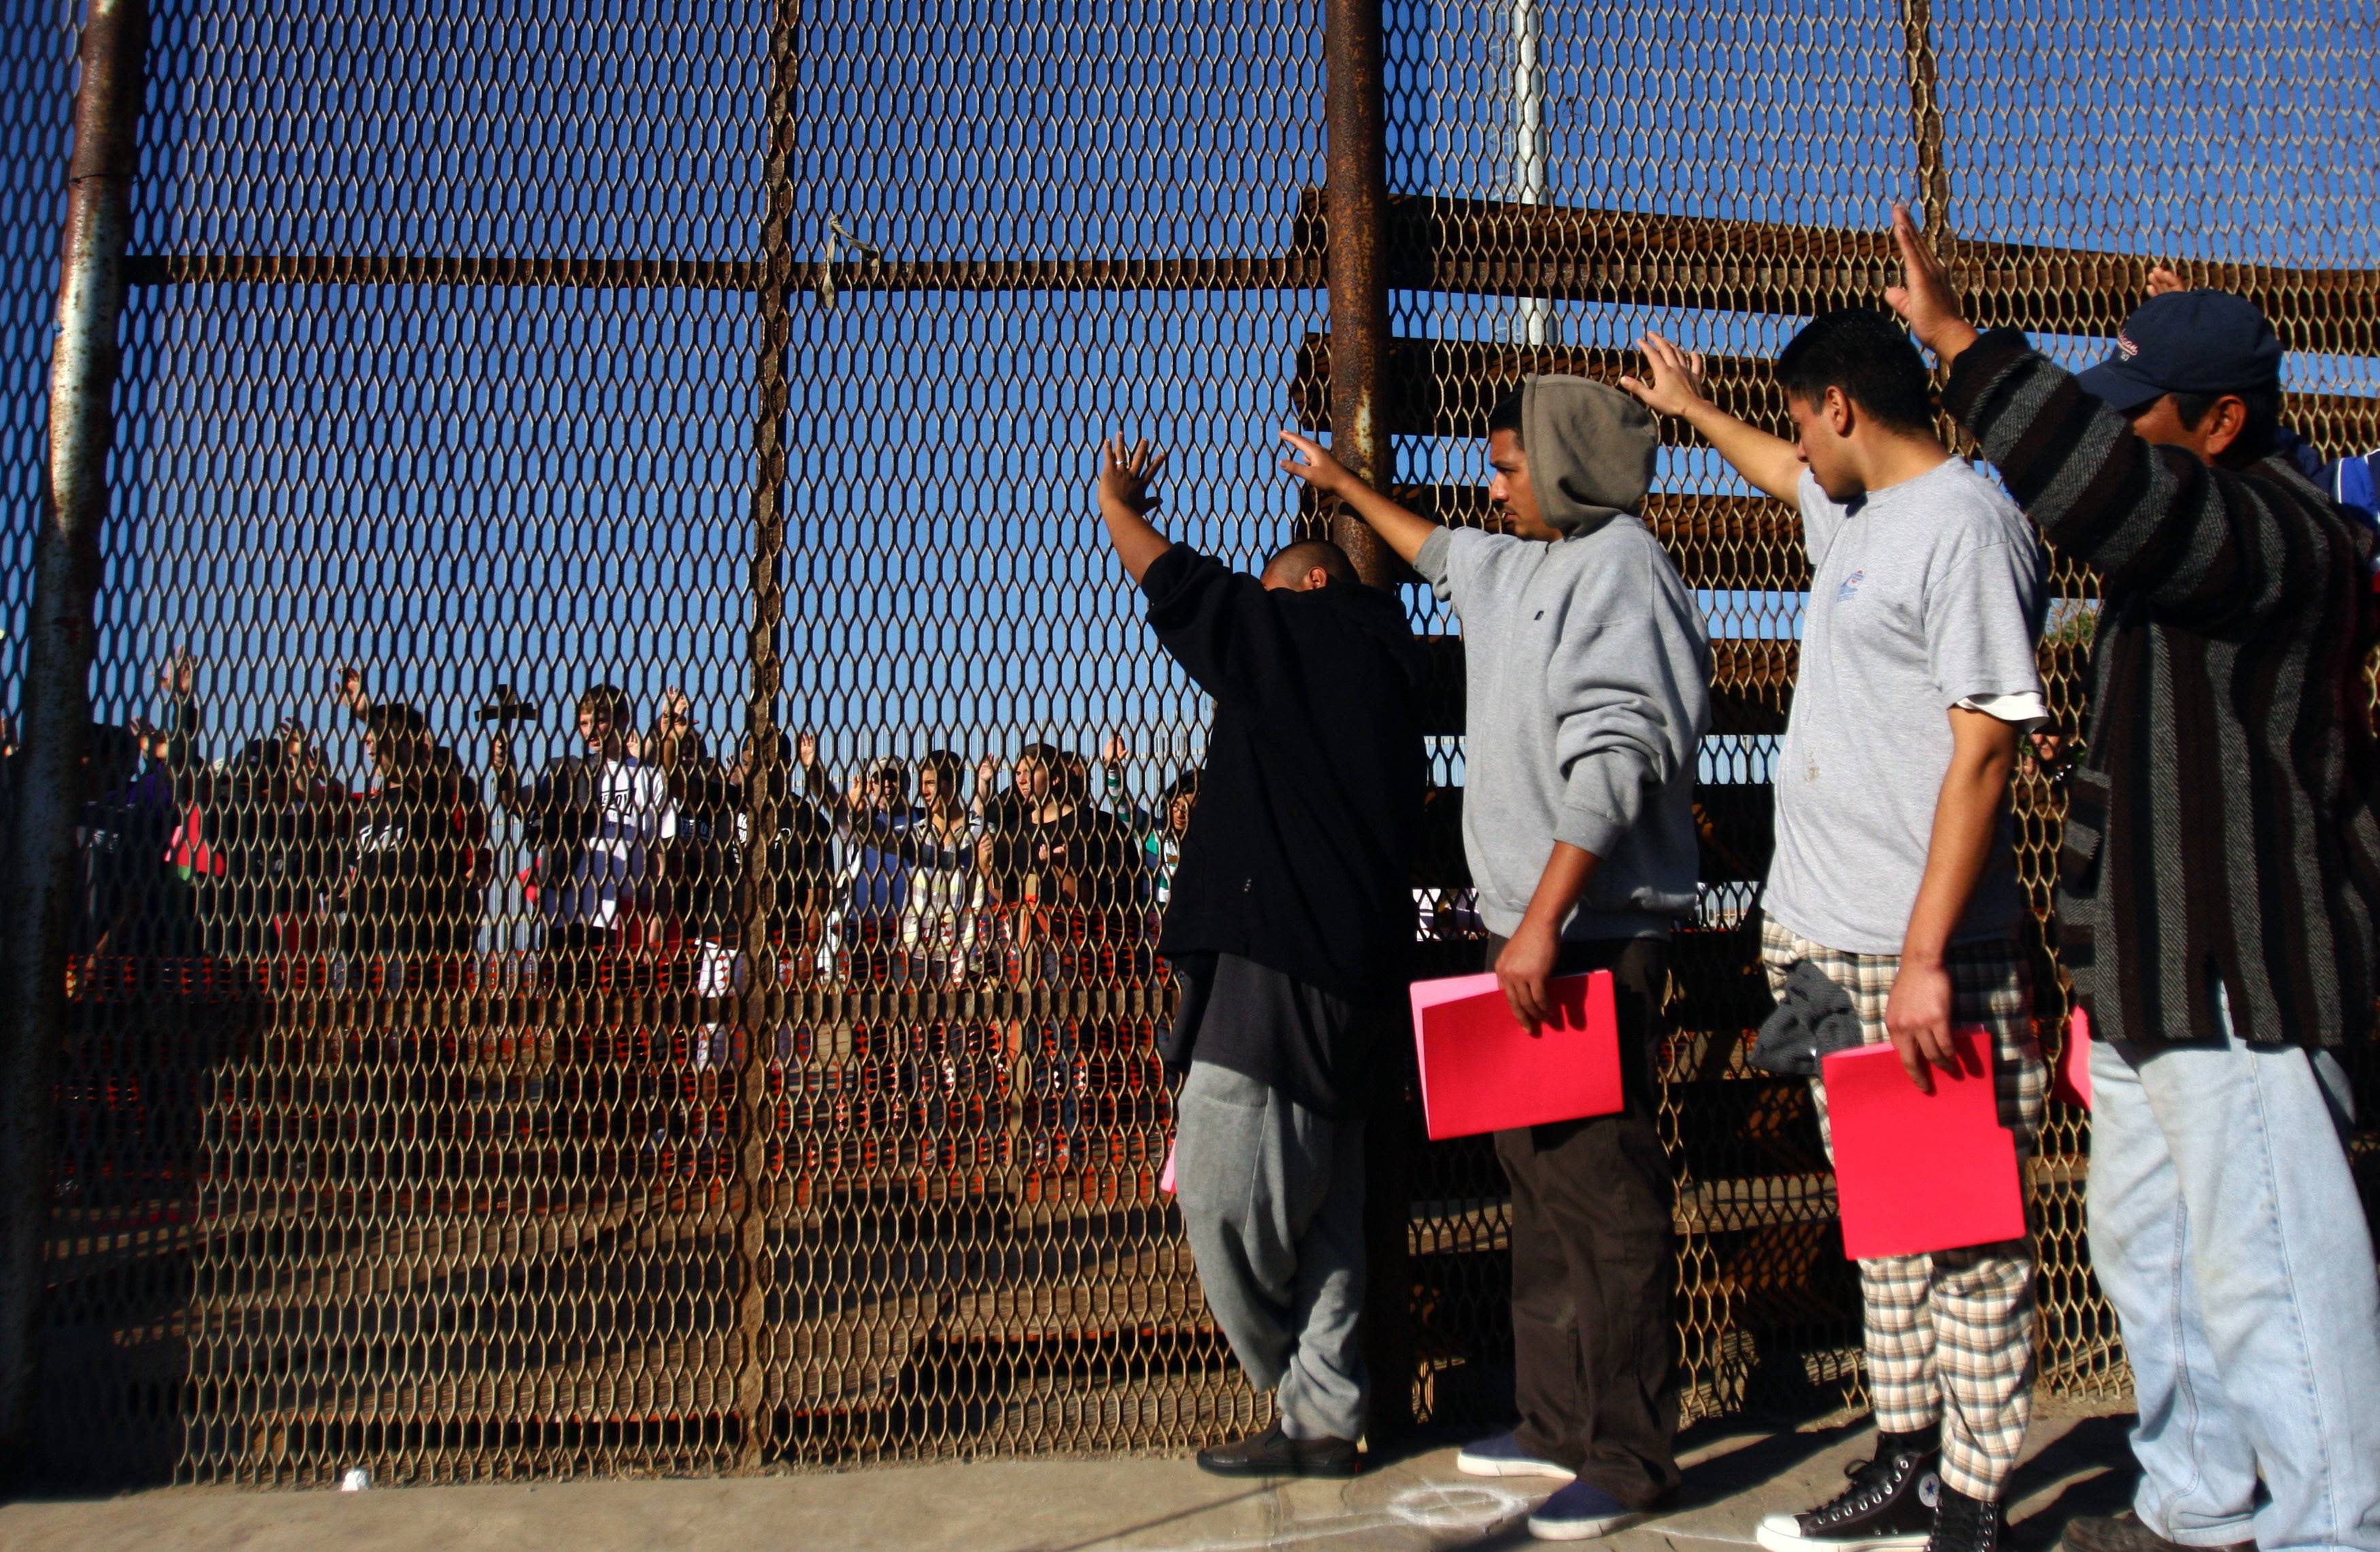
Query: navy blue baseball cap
2188	341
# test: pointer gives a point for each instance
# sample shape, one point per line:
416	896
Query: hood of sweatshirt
1590	449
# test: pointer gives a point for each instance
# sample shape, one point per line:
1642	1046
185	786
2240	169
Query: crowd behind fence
684	998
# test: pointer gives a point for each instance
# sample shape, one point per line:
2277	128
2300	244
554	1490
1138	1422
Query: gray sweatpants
1272	1200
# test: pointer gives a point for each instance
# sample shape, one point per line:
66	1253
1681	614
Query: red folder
1918	1172
2072	1082
1481	1071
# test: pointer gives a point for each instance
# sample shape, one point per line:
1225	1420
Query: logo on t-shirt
1849	590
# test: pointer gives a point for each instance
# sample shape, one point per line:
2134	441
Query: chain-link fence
621	854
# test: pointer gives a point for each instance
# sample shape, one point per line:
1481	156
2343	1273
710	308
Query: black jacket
1299	855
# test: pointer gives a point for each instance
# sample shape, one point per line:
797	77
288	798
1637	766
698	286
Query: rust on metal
1654	259
1356	262
1291	270
1926	119
763	1009
570	372
62	631
1447	387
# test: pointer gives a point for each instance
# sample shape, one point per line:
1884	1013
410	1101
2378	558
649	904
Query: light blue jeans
2226	1230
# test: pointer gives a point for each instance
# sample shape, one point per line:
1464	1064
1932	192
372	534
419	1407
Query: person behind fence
2219	882
875	815
1049	855
1894	874
704	888
1288	928
1588	671
271	821
417	853
801	855
793	893
1158	829
138	782
939	919
600	822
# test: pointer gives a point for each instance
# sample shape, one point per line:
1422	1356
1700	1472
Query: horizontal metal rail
1448	388
1476	246
1578	254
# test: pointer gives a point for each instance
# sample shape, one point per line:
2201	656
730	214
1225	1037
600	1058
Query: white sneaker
1502	1455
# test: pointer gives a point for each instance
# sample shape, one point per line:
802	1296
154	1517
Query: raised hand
1126	474
1926	298
1676	384
179	677
351	690
151	743
677	710
1117	754
1325	474
2164	282
987	775
805	750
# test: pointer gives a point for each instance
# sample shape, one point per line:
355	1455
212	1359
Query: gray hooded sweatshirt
1589	676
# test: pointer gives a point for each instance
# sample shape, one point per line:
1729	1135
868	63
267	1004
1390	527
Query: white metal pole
1532	320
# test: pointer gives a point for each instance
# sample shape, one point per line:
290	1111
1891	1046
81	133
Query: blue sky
462	486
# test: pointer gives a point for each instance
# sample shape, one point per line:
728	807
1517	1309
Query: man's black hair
111	754
1869	356
1506	416
1296	560
395	719
2256	437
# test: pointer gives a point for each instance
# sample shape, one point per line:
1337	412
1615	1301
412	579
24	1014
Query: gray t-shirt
1925	594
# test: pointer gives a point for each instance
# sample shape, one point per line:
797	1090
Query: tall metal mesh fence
621	865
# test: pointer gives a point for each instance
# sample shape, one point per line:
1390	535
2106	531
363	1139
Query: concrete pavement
1736	1471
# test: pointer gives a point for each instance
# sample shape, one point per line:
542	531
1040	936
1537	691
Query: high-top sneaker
1888	1508
1965	1525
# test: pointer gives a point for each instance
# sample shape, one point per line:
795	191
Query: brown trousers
1592	1262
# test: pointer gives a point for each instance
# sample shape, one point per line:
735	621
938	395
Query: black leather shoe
2124	1533
1274	1453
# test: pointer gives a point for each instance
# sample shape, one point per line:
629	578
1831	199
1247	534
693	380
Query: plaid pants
1950	1336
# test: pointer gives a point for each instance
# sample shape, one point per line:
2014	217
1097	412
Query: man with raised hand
2219	883
1587	696
1894	872
1288	931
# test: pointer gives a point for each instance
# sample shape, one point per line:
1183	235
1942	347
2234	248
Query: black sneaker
1888	1508
1965	1525
1274	1453
2124	1533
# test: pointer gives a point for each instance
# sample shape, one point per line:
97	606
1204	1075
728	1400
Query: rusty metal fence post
1357	272
1925	118
764	999
61	639
1357	265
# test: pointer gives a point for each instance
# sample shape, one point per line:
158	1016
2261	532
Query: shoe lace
1965	1525
1872	1483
